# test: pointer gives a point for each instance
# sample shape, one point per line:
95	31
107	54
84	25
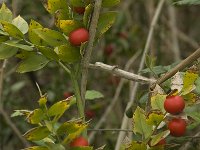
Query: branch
88	52
121	73
146	49
112	130
185	63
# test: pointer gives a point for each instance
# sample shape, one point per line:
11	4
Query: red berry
161	142
108	49
89	113
177	127
67	94
78	36
78	142
174	104
79	10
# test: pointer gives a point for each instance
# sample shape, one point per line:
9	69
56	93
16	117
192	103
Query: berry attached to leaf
79	142
174	104
78	36
177	127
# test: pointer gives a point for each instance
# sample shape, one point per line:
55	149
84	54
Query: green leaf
188	82
106	20
68	53
5	13
20	113
52	37
68	26
110	3
157	102
48	52
33	62
61	14
7	51
12	30
36	116
156	138
53	146
140	124
14	43
53	5
21	24
36	134
155	118
135	145
3	38
33	37
188	2
87	14
77	3
58	108
92	94
82	148
36	148
42	101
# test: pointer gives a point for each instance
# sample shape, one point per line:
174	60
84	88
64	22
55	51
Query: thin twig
121	73
115	98
112	130
146	49
88	52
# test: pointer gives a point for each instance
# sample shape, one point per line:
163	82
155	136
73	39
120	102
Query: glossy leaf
58	108
36	116
156	138
110	3
52	37
12	30
106	20
5	13
17	45
68	53
48	52
140	124
157	102
21	24
33	37
36	134
33	62
155	118
68	26
53	5
7	51
36	148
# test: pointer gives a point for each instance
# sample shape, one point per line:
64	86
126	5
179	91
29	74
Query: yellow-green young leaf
156	138
92	94
15	44
157	102
37	148
36	116
53	5
36	134
58	108
82	148
78	3
42	101
74	130
53	146
21	113
190	98
87	14
3	38
32	62
68	26
188	82
140	124
24	54
3	32
5	13
61	14
48	52
12	30
33	37
71	127
135	145
110	3
51	37
7	51
106	20
155	118
21	24
68	53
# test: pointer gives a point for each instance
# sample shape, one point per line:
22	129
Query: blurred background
177	34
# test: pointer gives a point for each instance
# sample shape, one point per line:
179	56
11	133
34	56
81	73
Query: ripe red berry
108	49
89	113
177	127
78	36
79	10
161	142
174	104
78	142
